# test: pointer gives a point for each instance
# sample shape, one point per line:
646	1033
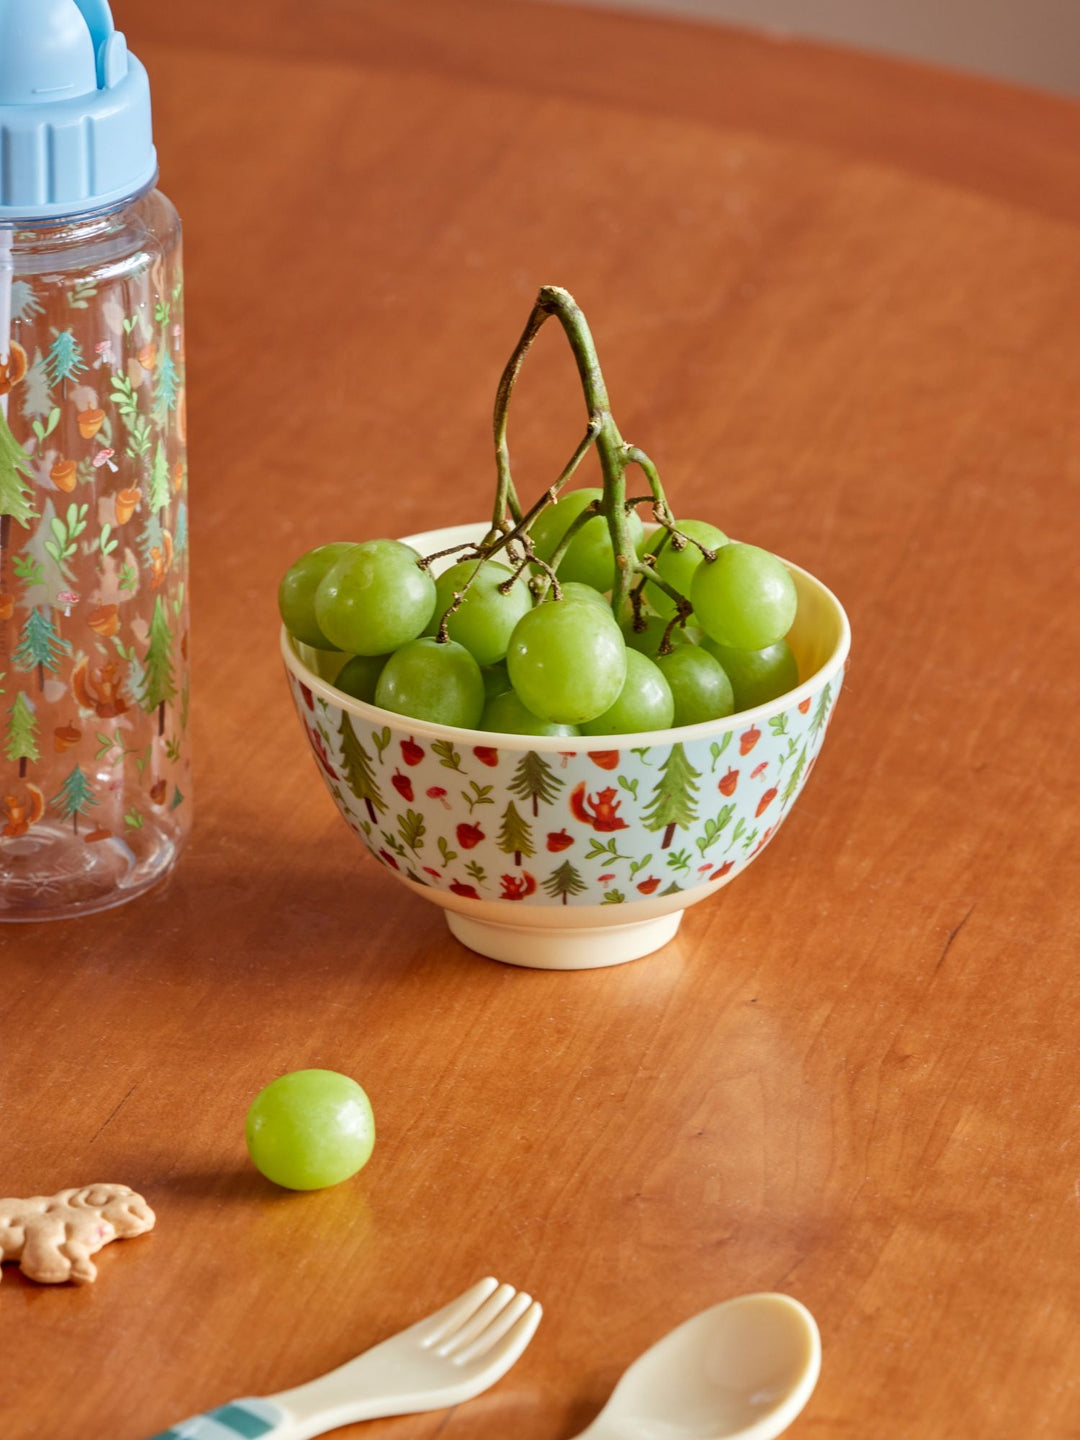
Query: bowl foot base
563	949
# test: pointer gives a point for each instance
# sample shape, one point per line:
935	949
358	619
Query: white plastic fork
449	1357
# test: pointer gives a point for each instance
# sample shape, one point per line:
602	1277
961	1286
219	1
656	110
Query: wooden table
838	299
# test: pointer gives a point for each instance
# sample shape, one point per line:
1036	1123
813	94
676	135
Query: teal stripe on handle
247	1419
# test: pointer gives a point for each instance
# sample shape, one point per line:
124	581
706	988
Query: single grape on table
310	1129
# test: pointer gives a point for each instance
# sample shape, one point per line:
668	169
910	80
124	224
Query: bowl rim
576	744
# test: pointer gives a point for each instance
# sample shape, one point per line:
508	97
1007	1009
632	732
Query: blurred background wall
1032	42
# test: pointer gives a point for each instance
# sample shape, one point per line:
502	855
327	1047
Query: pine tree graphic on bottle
159	685
160	494
535	780
672	802
22	728
515	834
166	388
15	494
75	797
40	645
65	360
563	882
357	769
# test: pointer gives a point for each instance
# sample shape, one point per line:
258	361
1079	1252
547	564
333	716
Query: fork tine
506	1350
478	1321
476	1348
443	1321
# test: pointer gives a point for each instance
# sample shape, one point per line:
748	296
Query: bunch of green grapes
536	649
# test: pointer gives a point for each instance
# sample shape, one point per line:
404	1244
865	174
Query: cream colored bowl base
563	949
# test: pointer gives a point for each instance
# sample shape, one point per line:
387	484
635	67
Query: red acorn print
487	755
721	870
804	706
436	792
728	783
516	887
606	759
559	840
648	886
765	801
759	770
459	887
411	752
309	699
748	739
389	859
469	836
402	784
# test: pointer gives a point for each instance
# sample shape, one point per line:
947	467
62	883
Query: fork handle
239	1420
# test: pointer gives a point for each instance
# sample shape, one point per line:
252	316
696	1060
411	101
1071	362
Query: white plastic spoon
740	1371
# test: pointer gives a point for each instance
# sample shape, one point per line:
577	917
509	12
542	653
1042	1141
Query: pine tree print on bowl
548	854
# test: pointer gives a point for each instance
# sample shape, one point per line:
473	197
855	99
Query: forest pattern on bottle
93	559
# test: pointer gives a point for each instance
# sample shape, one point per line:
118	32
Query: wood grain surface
838	300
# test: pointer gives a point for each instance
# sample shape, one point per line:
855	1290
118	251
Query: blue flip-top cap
75	130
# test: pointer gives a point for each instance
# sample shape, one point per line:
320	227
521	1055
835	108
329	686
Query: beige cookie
53	1236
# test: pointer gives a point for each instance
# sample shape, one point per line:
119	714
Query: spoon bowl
742	1370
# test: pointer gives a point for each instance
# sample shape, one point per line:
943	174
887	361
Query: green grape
326	664
359	676
574	590
496	680
296	593
645	701
567	661
745	598
677	567
647	641
590	559
509	716
757	676
485	619
310	1129
701	689
429	681
375	598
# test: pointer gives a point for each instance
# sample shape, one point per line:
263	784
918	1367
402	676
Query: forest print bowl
573	853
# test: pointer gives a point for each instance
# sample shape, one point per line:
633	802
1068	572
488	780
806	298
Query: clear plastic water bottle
95	781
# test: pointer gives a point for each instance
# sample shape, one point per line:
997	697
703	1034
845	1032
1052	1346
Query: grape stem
614	454
510	524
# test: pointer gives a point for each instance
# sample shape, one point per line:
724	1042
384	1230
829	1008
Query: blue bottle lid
75	131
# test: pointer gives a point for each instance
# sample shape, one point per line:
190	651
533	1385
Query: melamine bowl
573	853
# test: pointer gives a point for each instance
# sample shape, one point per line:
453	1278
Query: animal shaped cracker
53	1236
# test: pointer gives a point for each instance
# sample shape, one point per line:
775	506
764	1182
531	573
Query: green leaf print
448	756
412	828
717	748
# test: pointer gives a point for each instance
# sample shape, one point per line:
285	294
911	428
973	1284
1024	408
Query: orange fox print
601	810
